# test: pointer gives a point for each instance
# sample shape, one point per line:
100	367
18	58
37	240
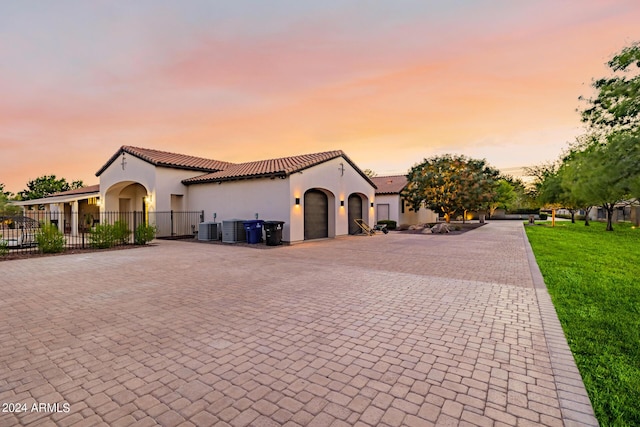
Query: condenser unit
233	231
209	231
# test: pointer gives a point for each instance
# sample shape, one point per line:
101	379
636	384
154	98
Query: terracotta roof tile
392	184
224	171
283	167
83	190
167	159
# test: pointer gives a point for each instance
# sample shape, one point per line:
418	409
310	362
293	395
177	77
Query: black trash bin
273	231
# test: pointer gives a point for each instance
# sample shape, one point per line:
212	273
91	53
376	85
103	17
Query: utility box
209	231
233	231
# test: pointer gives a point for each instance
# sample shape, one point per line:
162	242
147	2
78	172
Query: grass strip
593	277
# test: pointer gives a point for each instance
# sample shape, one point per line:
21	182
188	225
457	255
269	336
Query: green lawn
593	277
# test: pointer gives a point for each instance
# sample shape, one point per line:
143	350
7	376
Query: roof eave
272	175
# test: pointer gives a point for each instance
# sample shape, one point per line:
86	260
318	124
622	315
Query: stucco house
316	195
389	204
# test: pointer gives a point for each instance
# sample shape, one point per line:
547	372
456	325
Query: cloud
244	80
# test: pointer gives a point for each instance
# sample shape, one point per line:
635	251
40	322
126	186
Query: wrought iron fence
73	230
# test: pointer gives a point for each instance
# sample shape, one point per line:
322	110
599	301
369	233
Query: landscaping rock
440	228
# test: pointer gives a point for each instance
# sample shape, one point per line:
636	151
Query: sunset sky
388	82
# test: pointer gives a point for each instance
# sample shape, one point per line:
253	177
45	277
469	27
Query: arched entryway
127	202
354	206
316	214
126	196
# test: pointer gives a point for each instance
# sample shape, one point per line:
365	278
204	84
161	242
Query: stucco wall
393	200
274	199
114	179
169	181
422	216
328	176
160	183
269	198
409	217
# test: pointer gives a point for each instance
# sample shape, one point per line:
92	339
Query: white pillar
61	217
74	218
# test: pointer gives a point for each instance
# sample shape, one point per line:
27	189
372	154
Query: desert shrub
50	239
144	234
4	246
391	224
543	216
102	236
121	232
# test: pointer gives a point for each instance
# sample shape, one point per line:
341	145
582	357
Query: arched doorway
354	212
126	196
125	202
316	215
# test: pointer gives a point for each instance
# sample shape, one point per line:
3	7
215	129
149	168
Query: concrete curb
573	398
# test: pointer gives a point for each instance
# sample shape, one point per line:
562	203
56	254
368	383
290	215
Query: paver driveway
386	330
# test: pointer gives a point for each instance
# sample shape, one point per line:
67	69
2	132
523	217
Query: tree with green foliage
505	198
613	140
451	184
522	198
625	146
546	188
6	208
46	185
592	178
7	194
617	102
573	172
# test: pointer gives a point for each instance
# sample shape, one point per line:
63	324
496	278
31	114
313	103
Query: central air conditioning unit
233	231
209	231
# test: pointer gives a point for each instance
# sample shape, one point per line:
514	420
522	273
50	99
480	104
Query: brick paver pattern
389	330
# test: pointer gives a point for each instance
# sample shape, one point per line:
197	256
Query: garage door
316	215
355	212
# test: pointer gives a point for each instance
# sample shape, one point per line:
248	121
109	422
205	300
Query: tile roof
392	184
167	159
281	167
83	193
83	190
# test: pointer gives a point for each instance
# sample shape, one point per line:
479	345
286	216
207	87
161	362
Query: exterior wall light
148	199
371	204
297	201
341	202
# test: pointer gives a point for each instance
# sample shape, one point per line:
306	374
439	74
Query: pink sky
389	85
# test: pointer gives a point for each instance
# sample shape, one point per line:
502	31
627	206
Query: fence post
172	229
135	220
202	216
